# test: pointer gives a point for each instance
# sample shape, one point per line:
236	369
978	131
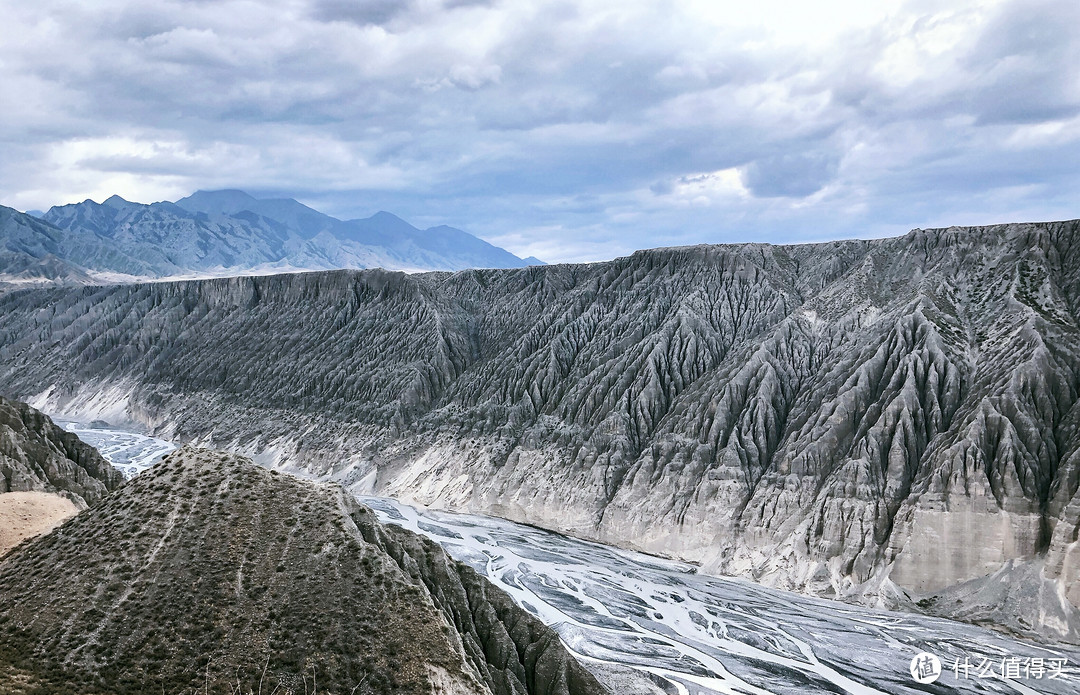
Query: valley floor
693	634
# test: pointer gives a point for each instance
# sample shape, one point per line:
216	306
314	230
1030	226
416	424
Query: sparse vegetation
289	588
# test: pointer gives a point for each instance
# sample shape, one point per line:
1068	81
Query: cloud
789	175
362	12
583	129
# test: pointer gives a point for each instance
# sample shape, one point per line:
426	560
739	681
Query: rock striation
38	456
211	574
860	418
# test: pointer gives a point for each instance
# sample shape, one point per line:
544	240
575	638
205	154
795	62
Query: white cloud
599	125
716	187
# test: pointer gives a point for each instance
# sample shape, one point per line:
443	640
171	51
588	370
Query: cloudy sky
566	130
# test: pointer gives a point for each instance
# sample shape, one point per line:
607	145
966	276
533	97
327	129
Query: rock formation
843	418
38	456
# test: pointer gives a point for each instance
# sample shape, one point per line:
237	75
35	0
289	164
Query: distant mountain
21	269
210	574
308	222
162	239
33	251
215	233
400	245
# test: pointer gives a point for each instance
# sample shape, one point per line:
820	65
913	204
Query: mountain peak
115	201
384	216
226	201
383	222
223	193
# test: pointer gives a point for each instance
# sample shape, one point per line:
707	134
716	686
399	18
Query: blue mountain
230	232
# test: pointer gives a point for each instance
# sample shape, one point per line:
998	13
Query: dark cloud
1027	65
789	175
362	12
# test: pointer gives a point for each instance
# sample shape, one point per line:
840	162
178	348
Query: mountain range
221	233
881	420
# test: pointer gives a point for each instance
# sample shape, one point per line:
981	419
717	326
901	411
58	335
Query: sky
569	131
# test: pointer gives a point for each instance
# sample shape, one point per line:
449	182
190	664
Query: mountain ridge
210	573
222	232
818	417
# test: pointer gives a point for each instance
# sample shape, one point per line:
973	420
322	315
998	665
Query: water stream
696	634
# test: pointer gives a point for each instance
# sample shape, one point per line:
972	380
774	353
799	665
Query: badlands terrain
648	626
879	419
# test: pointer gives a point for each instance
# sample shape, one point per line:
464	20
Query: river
696	634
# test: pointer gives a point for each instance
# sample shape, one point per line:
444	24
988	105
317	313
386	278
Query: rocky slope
221	233
33	251
845	418
211	573
38	456
1017	598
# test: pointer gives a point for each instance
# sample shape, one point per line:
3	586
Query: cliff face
812	416
38	456
514	652
209	572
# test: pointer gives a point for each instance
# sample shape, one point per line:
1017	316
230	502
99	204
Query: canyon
878	420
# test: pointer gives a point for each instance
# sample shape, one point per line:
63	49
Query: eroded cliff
828	417
38	456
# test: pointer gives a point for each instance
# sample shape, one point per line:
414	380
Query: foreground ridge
209	573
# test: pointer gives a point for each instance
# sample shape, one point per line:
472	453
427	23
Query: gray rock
36	455
898	414
1017	598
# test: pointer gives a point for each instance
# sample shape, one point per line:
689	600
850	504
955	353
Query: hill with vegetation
211	574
